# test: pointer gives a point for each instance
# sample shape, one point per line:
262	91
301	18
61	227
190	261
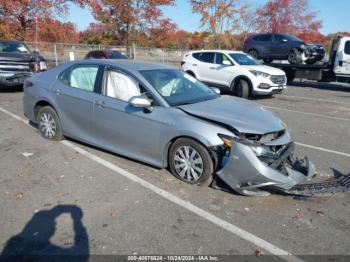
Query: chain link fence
57	53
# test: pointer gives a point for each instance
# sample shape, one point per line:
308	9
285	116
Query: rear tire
49	124
253	53
190	162
241	88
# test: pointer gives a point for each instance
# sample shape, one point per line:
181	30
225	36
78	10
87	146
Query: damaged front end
254	163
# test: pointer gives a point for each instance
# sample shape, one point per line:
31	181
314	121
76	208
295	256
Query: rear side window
81	77
347	48
206	57
263	38
196	55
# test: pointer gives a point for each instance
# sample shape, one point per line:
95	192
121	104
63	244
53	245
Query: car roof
126	64
217	50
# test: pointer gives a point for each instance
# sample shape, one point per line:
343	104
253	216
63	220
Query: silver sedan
165	117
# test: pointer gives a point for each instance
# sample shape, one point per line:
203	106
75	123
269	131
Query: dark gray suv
283	47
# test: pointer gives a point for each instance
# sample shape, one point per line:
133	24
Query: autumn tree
19	18
219	16
128	18
287	16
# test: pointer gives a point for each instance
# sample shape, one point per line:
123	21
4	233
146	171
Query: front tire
49	124
294	57
190	162
241	88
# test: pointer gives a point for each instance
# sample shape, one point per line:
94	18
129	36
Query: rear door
73	96
205	66
342	61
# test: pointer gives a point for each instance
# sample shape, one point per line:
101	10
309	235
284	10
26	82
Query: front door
124	129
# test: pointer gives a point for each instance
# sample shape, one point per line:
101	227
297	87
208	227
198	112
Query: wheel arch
40	104
245	78
200	140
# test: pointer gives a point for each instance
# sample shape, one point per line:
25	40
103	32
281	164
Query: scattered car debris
259	253
27	154
19	195
320	213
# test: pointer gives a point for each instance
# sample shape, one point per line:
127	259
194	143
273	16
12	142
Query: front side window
120	86
220	58
81	77
278	38
244	59
347	48
177	87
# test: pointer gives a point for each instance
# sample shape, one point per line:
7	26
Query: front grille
14	67
278	80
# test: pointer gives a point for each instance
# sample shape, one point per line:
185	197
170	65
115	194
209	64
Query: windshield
177	87
116	55
244	59
12	47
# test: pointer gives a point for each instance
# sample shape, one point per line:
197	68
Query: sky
334	14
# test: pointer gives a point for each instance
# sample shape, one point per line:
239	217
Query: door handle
212	67
194	64
57	92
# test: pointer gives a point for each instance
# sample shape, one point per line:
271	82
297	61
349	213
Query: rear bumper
9	79
244	170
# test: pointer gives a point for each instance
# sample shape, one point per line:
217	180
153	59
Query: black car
270	47
105	54
17	63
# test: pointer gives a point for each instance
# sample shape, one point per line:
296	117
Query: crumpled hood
241	114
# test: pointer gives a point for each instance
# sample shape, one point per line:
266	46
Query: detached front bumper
244	170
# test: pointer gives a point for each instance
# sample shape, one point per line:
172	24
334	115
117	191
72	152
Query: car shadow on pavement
33	243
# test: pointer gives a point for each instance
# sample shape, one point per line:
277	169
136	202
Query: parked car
235	72
270	47
17	63
105	54
162	116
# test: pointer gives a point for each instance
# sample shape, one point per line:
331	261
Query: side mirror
140	102
216	90
284	40
226	62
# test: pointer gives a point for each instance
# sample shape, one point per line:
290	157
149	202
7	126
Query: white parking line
323	149
259	242
316	99
307	113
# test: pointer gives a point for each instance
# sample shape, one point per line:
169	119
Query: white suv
235	72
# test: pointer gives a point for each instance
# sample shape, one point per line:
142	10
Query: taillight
35	67
247	41
27	84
